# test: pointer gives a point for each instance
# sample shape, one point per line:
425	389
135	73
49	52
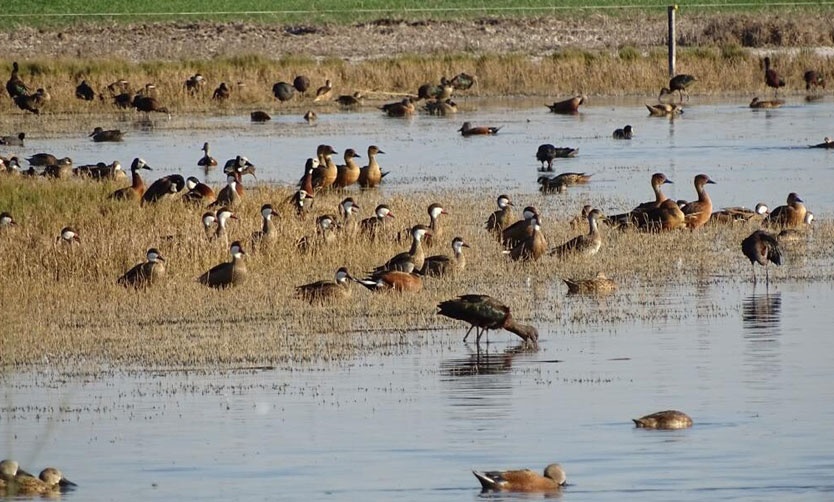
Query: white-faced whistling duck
412	259
6	220
531	247
734	214
350	101
100	135
626	132
208	220
547	152
222	217
669	419
320	292
194	83
33	102
467	130
826	143
326	226
302	201
772	78
570	105
347	174
761	247
325	175
241	166
283	91
404	108
484	313
435	231
664	110
84	91
229	194
306	182
15	140
301	83
441	108
371	175
521	229
791	215
698	212
68	236
162	188
259	116
206	160
349	223
267	233
310	116
583	245
523	480
679	83
137	187
371	227
597	285
766	103
501	218
323	93
146	273
198	193
15	85
813	79
230	273
440	265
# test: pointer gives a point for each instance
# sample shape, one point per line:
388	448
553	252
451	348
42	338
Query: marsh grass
720	70
62	305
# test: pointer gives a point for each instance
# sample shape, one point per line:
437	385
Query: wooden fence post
672	39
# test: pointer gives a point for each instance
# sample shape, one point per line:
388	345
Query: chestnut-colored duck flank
791	215
393	280
523	480
371	175
521	229
501	218
533	246
162	188
484	313
198	193
669	419
698	212
231	273
137	187
325	174
468	130
147	273
570	105
347	174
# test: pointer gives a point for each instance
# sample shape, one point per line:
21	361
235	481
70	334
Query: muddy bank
534	35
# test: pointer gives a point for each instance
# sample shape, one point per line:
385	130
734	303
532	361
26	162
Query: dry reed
720	70
62	305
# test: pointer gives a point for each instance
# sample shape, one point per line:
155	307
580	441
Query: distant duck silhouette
625	133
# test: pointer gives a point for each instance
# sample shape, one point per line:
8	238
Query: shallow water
411	427
753	155
751	366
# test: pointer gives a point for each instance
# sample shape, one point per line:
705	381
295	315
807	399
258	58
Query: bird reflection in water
481	362
762	315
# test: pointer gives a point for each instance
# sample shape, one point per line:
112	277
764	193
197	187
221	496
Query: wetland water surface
750	365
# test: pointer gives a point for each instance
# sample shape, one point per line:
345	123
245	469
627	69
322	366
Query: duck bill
66	483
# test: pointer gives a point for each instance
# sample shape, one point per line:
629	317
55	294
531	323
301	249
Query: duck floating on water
523	480
467	130
569	106
669	419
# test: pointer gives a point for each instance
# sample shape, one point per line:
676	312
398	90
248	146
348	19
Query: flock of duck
519	239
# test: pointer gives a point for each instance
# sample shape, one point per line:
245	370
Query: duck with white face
227	274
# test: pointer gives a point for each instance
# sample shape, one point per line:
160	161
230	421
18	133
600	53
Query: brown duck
231	273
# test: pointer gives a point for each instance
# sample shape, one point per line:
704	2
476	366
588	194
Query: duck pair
14	481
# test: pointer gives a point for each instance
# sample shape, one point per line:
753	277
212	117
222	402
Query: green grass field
346	11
